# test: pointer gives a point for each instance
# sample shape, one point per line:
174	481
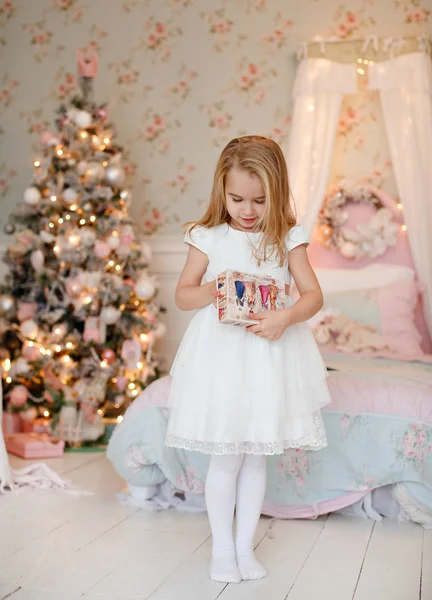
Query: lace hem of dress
311	442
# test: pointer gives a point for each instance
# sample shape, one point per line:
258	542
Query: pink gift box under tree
240	294
34	445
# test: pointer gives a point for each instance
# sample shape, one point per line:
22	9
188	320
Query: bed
379	459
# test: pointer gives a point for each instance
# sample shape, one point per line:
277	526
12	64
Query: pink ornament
131	353
126	240
89	412
103	113
101	249
121	383
18	396
30	352
26	310
52	380
48	137
74	287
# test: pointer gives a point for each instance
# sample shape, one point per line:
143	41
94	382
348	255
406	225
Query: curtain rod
370	47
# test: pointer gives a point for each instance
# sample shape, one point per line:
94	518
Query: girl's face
245	199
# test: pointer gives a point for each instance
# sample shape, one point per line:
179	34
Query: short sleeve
199	237
298	235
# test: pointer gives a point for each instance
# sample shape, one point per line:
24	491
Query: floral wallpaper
181	78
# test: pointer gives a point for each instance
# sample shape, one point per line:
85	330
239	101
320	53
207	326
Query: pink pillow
397	303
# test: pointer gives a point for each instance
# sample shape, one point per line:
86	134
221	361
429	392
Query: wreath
369	239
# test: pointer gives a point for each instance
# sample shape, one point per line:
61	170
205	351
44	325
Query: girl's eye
237	199
260	201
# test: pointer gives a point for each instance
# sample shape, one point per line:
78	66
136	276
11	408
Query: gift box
34	445
240	294
11	423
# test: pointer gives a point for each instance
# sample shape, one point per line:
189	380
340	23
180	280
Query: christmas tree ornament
159	331
110	315
18	396
82	118
46	237
93	173
20	366
88	236
131	353
144	287
108	355
113	242
26	310
29	329
114	175
102	249
74	287
70	196
9	228
6	303
82	167
37	260
29	414
121	383
32	196
94	330
49	139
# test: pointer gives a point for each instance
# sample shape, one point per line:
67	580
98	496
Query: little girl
238	393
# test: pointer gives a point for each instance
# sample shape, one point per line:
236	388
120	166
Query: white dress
234	392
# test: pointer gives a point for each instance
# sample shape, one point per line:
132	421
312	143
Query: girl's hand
271	324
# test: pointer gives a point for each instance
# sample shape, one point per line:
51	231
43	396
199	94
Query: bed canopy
400	69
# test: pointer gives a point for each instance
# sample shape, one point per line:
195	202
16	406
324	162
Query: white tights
235	481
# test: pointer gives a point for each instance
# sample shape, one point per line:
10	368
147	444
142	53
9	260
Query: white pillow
373	276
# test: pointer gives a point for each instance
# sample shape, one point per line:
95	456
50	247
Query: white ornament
82	118
29	329
159	331
46	237
110	315
348	249
92	431
32	196
145	288
21	365
29	415
113	242
81	167
37	260
88	236
70	196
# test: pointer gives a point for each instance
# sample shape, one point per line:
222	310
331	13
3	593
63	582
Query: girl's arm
273	323
190	294
311	297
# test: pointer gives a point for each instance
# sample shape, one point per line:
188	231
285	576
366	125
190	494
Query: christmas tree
78	311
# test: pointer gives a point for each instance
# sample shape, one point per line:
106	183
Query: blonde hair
262	157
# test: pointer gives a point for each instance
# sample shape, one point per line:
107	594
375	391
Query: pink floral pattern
280	35
414	444
219	120
182	89
352	424
40	39
6	174
349	23
415	13
253	80
157	38
192	75
190	482
295	465
135	458
7	91
219	27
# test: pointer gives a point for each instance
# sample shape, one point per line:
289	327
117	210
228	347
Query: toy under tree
79	316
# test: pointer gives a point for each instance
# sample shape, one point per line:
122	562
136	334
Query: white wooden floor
55	546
